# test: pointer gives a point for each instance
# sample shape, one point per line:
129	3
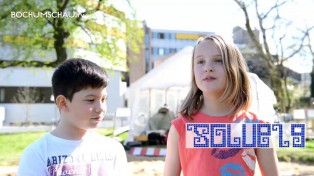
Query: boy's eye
91	100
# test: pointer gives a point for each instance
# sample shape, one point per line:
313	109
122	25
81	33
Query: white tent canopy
173	72
169	83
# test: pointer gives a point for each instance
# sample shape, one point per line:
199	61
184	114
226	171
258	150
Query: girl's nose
209	67
209	70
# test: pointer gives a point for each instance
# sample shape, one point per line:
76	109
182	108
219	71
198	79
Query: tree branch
298	49
23	63
250	31
275	7
84	29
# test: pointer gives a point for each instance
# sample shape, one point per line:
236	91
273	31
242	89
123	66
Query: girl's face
209	73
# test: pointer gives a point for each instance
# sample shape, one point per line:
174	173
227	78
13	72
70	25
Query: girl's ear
61	102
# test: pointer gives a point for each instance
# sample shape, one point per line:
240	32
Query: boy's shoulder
37	145
41	140
98	136
105	140
47	142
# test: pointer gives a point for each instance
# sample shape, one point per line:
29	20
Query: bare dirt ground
153	166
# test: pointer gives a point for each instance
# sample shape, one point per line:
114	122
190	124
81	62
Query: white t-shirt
95	155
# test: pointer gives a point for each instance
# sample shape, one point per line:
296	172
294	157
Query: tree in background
281	39
311	49
44	41
26	96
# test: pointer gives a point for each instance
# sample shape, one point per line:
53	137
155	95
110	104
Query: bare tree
273	28
311	49
26	96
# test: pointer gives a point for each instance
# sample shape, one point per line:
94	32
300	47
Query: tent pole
178	101
166	95
149	103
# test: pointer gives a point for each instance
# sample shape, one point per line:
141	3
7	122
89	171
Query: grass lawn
297	154
12	145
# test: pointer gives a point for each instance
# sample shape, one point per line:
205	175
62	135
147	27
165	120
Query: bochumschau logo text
47	14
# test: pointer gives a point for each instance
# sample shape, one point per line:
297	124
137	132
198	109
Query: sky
219	16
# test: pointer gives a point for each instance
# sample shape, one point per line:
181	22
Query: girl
220	93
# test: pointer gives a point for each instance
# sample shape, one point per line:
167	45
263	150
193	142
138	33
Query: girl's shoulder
248	117
179	121
200	117
243	117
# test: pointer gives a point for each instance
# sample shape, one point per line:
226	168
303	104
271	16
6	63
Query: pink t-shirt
215	161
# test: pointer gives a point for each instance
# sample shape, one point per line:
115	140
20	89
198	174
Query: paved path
19	129
155	168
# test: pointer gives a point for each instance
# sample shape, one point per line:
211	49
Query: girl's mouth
209	78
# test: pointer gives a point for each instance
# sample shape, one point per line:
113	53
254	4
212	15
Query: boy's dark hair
76	74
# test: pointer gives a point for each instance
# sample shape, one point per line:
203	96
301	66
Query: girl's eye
218	60
200	62
90	100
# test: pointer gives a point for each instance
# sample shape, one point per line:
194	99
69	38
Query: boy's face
87	108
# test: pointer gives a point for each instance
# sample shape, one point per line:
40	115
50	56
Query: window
155	35
172	36
167	51
161	51
173	50
155	51
161	36
167	36
2	95
25	94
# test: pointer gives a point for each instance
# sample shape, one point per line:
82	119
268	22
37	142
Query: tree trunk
312	83
276	84
60	36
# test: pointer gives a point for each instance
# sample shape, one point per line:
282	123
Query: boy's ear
61	102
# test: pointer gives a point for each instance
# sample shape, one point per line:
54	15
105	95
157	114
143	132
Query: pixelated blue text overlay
245	135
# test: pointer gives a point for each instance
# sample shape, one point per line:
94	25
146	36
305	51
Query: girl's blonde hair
237	92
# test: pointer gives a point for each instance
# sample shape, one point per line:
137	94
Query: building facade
158	45
161	42
25	93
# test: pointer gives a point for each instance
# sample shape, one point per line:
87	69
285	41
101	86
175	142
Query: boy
79	88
